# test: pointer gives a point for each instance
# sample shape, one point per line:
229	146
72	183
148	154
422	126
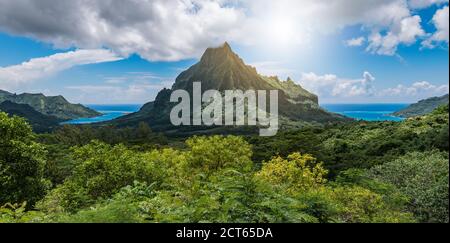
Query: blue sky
343	50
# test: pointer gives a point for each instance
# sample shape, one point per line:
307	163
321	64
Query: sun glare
281	32
283	36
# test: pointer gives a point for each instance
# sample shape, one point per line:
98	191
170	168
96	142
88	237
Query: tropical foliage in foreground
230	178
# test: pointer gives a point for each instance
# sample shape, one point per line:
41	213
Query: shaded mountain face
39	121
423	107
222	69
56	106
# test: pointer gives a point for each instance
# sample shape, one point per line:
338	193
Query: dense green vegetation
38	121
356	172
423	177
359	144
22	162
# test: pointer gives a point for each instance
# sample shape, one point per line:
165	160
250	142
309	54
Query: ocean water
109	112
367	112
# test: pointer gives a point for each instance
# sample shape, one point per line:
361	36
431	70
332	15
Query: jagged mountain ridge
222	69
56	106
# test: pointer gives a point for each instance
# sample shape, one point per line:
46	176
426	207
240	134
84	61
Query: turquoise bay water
109	112
368	112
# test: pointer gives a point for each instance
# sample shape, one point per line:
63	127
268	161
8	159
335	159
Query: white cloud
112	94
178	29
418	4
418	89
330	85
132	77
405	32
115	80
272	68
332	88
37	68
356	41
440	21
130	88
156	30
315	17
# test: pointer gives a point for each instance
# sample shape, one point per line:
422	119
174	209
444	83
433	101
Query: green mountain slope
222	69
56	106
39	121
423	107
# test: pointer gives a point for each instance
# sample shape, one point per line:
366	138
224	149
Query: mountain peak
223	47
226	46
221	69
219	54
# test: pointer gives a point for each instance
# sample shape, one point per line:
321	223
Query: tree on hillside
21	162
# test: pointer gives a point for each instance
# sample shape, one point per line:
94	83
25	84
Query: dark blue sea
368	112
